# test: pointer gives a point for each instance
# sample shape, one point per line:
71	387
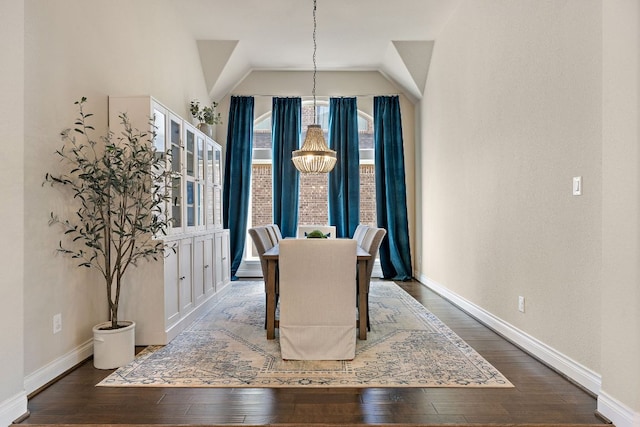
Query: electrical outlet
57	323
521	304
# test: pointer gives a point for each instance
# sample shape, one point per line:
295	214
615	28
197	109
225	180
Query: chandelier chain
315	48
314	156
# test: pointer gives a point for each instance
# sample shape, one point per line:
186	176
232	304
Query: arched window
313	207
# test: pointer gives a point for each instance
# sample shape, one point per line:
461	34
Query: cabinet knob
206	266
183	277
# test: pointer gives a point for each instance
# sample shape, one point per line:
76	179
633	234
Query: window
313	204
313	208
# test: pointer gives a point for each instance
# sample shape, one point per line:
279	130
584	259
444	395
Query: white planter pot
113	348
206	129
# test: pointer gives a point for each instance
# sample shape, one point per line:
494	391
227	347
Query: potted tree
118	184
206	116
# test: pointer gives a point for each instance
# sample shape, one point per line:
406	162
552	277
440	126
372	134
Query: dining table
272	255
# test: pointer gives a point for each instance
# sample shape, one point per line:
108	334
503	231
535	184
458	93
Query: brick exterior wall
368	195
313	207
313	195
261	199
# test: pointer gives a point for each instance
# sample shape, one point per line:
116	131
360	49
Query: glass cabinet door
159	124
194	177
200	179
190	176
200	203
209	203
190	138
201	147
175	133
217	206
217	179
190	203
209	180
160	146
217	167
214	184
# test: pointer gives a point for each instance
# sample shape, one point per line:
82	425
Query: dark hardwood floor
540	396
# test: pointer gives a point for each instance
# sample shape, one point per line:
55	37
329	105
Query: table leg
362	299
271	298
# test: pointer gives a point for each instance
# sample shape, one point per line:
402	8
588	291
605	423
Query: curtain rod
320	96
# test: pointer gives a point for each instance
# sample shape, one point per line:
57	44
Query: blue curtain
391	197
286	125
344	179
237	176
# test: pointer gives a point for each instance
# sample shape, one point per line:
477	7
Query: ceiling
236	37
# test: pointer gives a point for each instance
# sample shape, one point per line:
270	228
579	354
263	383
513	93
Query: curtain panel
237	176
286	126
344	179
391	192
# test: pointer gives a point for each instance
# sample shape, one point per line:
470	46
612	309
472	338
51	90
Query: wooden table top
274	253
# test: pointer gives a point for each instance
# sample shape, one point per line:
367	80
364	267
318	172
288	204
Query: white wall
92	48
512	113
13	402
516	106
620	293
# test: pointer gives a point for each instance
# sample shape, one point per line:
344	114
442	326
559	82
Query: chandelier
314	156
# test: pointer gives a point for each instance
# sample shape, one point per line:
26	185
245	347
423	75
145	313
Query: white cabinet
185	279
213	188
203	268
222	268
165	296
196	160
171	289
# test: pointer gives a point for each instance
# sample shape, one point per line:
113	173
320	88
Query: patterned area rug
407	347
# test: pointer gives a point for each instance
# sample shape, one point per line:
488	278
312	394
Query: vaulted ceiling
235	37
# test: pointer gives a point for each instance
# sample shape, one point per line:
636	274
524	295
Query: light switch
577	185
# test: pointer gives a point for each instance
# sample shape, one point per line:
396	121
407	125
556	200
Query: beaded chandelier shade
314	156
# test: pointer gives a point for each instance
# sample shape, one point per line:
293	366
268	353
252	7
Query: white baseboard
613	410
249	268
553	358
42	376
59	366
62	364
616	412
13	408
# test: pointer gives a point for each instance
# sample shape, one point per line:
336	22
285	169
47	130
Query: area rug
407	346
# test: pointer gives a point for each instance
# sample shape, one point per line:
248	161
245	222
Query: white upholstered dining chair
274	233
262	240
317	299
360	232
371	242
